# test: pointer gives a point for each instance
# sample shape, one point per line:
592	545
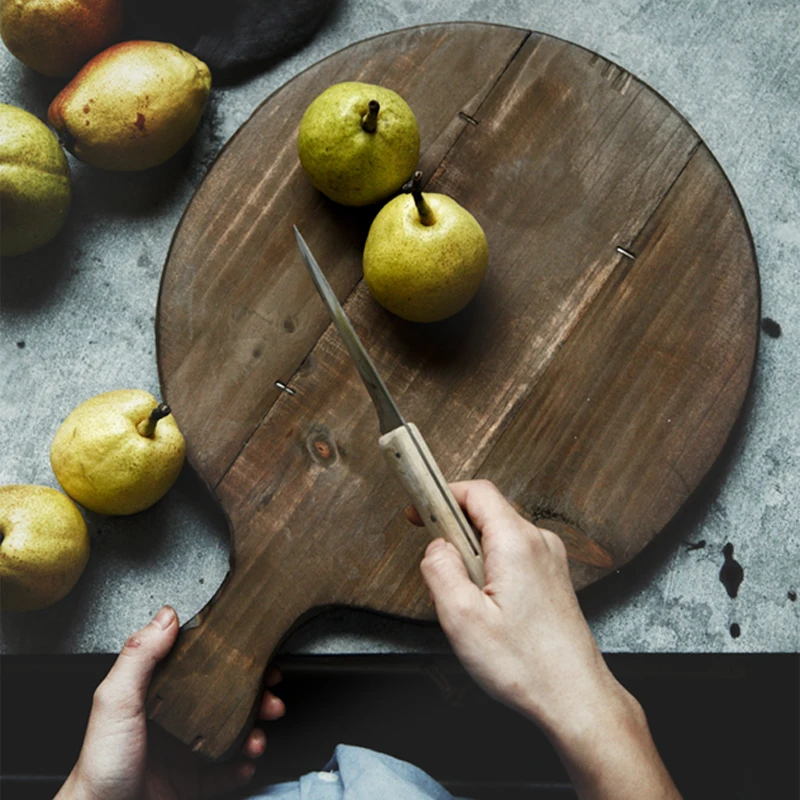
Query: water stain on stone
736	631
696	545
732	573
771	328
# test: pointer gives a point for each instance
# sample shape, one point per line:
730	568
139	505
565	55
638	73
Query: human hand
125	758
524	639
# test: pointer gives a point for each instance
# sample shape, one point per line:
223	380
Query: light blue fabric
355	773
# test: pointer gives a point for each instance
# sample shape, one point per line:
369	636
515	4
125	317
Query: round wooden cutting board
594	378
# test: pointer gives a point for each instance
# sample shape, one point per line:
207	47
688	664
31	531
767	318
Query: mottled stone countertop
77	319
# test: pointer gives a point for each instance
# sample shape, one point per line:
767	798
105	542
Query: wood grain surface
594	378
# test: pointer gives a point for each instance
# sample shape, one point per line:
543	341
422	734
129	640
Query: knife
401	443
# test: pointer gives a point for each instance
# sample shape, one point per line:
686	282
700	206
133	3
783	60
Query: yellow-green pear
57	37
132	106
358	143
35	192
44	547
425	255
118	452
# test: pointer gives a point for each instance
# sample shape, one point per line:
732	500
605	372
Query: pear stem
426	215
147	427
369	122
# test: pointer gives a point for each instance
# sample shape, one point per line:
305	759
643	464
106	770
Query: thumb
446	577
130	676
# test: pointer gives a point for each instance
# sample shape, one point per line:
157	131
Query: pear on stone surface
133	106
425	255
118	452
358	143
44	547
35	191
57	37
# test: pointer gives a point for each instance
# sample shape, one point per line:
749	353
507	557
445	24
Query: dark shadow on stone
202	149
38	90
236	38
28	281
150	535
102	193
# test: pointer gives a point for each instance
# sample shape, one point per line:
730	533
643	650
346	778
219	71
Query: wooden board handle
412	462
205	692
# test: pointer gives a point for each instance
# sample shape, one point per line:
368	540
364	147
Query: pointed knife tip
301	242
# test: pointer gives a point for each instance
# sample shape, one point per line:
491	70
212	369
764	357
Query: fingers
444	572
271	707
274	676
255	744
483	502
126	684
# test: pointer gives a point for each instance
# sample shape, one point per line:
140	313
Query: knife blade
401	443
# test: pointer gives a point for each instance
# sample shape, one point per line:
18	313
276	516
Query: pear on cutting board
57	37
425	255
118	452
132	106
358	143
44	547
35	192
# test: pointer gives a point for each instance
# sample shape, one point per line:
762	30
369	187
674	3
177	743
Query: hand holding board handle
206	692
415	467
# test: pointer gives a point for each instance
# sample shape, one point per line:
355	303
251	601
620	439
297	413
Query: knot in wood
321	446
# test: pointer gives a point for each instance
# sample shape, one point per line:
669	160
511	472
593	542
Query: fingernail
436	544
164	618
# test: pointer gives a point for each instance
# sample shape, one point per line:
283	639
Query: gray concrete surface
77	319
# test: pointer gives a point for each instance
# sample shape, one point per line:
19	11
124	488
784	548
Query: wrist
71	789
608	750
75	787
588	707
610	711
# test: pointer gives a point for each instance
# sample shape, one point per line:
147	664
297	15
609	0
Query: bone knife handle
407	453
